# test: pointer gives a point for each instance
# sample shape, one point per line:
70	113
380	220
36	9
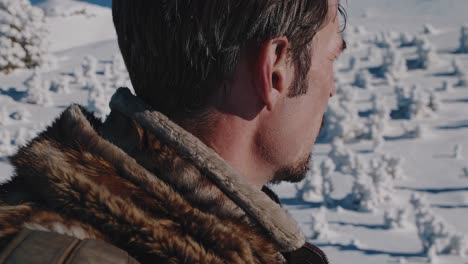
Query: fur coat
145	185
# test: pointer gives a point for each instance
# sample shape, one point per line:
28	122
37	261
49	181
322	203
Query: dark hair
178	53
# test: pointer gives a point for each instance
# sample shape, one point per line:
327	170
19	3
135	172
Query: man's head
257	72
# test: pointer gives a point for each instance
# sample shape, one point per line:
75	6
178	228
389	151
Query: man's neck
233	138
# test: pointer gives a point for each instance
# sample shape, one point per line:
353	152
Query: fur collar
145	185
262	209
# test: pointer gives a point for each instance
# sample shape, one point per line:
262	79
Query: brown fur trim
81	176
274	219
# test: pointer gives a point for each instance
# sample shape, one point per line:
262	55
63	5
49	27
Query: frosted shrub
319	226
4	116
311	190
345	94
460	73
462	79
98	103
116	73
61	85
6	148
406	39
393	166
341	156
327	167
353	63
21	114
457	68
382	180
457	152
464	39
396	218
433	232
22	137
429	29
413	104
420	131
22	34
426	54
465	172
89	66
363	196
458	245
434	102
393	64
37	91
383	40
363	79
78	75
376	127
447	86
343	121
370	53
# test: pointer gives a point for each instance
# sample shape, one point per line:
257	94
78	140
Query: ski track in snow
432	144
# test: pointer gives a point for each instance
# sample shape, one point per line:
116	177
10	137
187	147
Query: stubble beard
295	172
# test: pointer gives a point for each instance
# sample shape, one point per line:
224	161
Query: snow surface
396	146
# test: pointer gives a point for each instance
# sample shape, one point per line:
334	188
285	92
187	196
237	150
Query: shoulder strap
35	247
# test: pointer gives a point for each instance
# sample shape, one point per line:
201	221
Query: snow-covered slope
401	110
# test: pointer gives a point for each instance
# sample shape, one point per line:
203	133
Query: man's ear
272	69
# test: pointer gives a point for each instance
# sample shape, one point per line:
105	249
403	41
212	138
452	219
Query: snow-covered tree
396	218
433	232
37	90
457	151
420	131
434	102
343	122
4	116
22	35
21	114
61	85
311	190
98	102
363	79
393	166
382	180
78	76
393	64
458	245
319	225
429	29
22	137
447	86
341	156
412	103
6	147
464	39
327	167
465	172
363	196
383	40
89	66
462	79
406	39
426	53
